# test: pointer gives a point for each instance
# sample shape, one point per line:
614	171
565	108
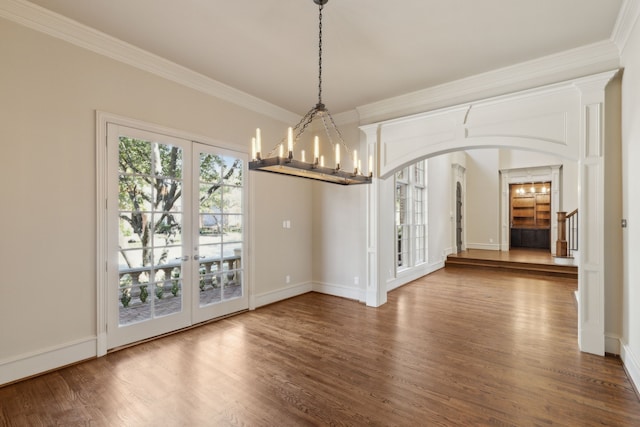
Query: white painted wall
50	92
483	199
613	232
280	252
339	231
630	333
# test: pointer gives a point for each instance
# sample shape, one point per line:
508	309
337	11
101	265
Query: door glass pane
220	230
150	231
232	199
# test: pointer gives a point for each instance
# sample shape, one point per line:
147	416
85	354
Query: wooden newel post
561	243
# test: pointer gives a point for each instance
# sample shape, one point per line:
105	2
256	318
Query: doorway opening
530	211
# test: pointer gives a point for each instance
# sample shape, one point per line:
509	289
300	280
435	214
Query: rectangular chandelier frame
293	167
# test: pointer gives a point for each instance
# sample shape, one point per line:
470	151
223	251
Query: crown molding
347	117
61	27
582	61
627	18
565	65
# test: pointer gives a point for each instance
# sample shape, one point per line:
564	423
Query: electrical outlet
356	280
287	279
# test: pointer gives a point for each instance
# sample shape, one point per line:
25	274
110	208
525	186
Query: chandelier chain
319	109
320	54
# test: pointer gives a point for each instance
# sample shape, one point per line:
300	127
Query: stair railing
567	242
572	232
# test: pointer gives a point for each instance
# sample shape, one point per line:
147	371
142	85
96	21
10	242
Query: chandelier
286	163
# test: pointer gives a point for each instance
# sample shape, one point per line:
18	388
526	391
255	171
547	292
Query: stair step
566	271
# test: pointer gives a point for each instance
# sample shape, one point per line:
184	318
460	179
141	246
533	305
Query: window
410	216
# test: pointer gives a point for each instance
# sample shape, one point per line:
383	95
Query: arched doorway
566	120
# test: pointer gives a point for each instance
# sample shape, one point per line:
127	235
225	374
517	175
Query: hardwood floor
457	347
536	256
519	260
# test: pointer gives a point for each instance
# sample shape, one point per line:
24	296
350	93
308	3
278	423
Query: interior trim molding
271	297
58	26
566	65
405	277
612	344
627	19
631	365
38	362
571	64
341	291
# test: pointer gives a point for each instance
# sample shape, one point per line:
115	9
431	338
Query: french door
175	233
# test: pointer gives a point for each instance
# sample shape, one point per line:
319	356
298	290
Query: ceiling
372	50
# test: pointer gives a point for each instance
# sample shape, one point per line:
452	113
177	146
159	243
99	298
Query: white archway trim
565	119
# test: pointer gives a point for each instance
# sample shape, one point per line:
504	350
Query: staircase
538	269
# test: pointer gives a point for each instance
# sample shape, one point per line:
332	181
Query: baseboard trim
340	291
38	362
631	365
484	246
412	275
267	298
612	344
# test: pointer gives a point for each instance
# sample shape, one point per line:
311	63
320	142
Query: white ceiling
372	50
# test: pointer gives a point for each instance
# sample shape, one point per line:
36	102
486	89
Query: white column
376	291
591	278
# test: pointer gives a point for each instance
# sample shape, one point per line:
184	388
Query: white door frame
524	176
102	253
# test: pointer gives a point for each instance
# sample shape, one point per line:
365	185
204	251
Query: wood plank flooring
457	347
530	261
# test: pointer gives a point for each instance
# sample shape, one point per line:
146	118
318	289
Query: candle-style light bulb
281	150
290	140
316	149
360	166
258	143
355	161
302	156
337	156
253	148
322	161
370	165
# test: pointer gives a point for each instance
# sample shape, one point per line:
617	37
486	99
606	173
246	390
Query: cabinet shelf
530	210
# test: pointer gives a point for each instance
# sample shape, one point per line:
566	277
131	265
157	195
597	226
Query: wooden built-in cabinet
543	211
530	215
